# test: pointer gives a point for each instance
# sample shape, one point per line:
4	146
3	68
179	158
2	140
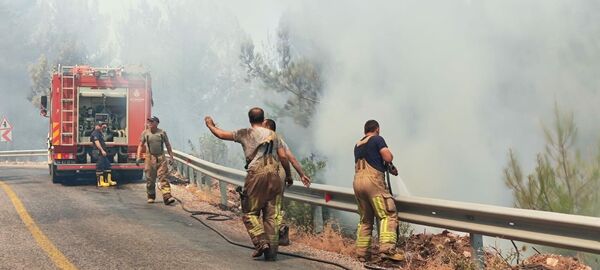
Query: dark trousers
103	164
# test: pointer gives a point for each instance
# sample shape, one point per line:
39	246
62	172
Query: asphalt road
110	228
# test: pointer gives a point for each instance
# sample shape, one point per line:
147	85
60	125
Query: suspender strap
361	164
269	145
162	142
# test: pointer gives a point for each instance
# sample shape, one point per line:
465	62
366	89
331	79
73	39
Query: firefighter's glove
289	181
137	162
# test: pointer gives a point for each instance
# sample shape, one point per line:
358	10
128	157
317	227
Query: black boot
168	199
260	249
271	253
284	237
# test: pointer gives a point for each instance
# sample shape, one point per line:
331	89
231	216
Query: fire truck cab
79	97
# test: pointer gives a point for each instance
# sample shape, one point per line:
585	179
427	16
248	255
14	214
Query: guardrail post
197	178
206	181
478	253
201	181
317	219
176	166
191	174
223	188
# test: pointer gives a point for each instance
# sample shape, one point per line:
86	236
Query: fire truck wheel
56	179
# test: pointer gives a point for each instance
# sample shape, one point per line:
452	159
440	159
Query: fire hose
221	217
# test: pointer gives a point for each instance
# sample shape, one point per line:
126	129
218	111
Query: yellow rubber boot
103	183
110	180
99	179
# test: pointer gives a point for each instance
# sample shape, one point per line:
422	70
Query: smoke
453	84
64	32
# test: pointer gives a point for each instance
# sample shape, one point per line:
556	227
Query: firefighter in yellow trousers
371	155
263	187
156	163
284	238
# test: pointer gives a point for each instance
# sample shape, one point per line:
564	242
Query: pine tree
283	72
562	181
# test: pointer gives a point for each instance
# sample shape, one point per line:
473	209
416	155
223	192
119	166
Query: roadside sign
5	131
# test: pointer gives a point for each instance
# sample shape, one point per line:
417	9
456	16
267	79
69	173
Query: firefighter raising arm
263	187
219	133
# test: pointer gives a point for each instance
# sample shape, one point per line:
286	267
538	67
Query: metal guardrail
24	153
553	229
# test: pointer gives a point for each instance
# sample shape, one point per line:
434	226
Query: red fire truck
79	97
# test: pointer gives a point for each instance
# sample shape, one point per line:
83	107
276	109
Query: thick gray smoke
453	84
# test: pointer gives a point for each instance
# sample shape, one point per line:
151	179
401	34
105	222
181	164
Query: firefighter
371	154
154	141
284	239
263	186
103	171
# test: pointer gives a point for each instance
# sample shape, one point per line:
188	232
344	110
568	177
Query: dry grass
330	239
208	199
444	251
208	195
552	262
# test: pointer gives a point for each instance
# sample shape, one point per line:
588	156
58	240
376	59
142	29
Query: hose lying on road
220	217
